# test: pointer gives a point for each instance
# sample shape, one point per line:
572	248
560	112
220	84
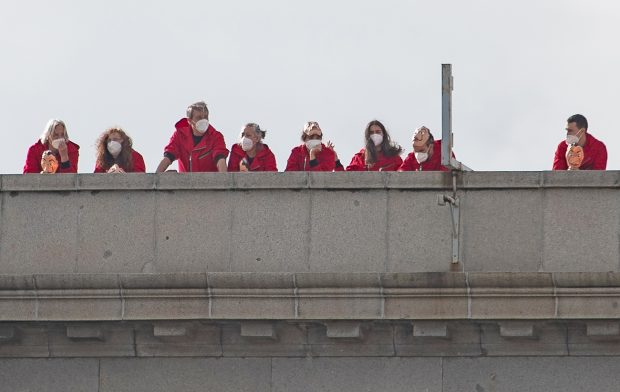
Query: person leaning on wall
426	155
195	143
115	153
312	154
379	152
250	153
54	139
594	152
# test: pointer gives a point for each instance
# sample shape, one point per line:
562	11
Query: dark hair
388	147
579	120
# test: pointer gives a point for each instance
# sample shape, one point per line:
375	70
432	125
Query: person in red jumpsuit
426	155
594	151
379	154
312	154
56	139
115	153
251	154
195	143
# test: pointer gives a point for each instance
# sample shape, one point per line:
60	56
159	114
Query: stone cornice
310	296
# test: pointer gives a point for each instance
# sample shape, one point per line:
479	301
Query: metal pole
446	114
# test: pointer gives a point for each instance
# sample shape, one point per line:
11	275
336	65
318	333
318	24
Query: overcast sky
520	69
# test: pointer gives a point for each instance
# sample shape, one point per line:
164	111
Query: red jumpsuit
202	157
33	159
432	164
300	160
264	160
594	155
138	164
384	163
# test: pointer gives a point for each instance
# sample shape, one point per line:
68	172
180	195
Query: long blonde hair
49	128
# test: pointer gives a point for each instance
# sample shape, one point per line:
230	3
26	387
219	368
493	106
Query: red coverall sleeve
173	146
293	161
233	161
33	161
600	161
74	155
407	164
357	163
559	161
327	161
138	163
219	148
98	169
270	162
397	162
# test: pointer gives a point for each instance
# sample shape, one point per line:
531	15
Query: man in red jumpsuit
196	144
426	155
594	151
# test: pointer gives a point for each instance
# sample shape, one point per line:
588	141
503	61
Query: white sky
520	68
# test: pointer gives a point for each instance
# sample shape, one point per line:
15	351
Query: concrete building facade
310	282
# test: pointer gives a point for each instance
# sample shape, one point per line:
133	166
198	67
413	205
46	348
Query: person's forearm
163	165
221	166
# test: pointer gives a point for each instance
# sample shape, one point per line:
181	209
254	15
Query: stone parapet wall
301	222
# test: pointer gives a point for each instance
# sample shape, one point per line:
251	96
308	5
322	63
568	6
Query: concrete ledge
127	182
329	296
301	180
163	281
250	280
509	279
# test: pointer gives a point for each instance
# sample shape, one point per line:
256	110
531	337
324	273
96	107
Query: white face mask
310	144
202	125
376	138
247	144
421	156
56	143
114	148
572	139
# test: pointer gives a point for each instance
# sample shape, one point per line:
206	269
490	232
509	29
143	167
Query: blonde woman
56	139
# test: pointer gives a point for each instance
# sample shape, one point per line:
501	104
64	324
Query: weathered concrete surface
306	282
165	374
531	374
58	375
312	374
301	222
355	374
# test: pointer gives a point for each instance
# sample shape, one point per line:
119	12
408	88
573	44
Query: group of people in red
199	147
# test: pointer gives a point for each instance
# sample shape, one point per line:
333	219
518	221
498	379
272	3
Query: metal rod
446	114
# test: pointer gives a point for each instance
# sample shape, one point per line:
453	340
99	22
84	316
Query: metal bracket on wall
455	215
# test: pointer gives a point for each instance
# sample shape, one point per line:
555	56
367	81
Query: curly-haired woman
115	153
